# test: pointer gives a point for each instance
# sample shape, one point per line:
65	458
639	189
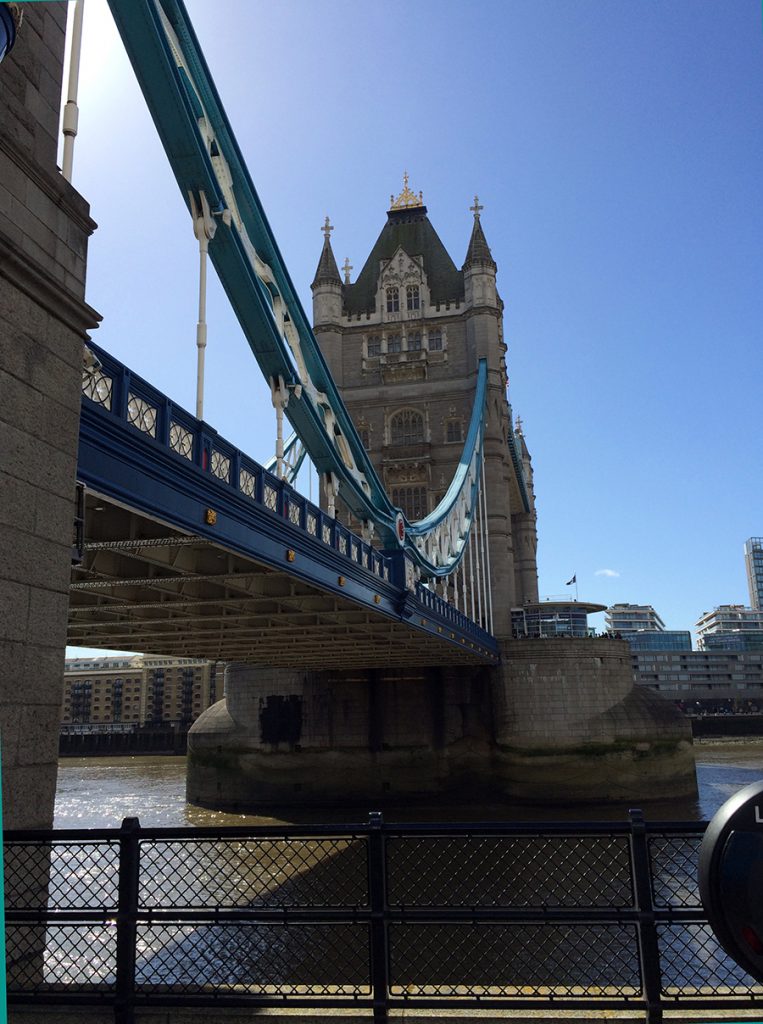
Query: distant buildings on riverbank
142	690
725	674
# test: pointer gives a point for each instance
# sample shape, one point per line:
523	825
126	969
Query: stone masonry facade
44	229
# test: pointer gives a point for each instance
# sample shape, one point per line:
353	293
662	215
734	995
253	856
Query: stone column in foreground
44	228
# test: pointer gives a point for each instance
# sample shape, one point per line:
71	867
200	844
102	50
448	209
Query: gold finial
347	268
476	208
407	198
327	229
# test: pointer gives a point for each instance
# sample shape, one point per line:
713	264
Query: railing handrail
639	898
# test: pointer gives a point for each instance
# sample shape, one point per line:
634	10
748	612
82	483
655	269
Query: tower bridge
386	634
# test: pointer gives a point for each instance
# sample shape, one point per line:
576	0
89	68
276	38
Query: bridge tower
555	720
403	341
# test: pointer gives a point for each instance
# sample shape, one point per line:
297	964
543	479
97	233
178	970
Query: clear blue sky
618	151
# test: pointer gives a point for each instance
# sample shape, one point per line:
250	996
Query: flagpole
576	585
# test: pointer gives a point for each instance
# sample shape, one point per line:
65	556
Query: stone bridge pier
558	721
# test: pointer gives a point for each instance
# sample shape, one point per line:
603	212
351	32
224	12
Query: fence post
377	885
648	947
127	921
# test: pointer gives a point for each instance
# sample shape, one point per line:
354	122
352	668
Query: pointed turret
479	266
327	284
328	271
478	253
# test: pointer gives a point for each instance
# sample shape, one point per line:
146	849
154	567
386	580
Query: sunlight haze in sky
617	150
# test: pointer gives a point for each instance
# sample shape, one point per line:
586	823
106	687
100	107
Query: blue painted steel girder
142	451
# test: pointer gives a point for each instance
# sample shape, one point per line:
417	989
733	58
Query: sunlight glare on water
100	792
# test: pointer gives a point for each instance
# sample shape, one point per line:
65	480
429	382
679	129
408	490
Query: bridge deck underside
145	587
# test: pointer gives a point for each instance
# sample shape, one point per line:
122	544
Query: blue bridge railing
115	391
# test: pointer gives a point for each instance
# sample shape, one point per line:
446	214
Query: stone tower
403	343
555	720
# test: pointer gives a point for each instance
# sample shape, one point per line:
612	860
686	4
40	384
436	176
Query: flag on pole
573	580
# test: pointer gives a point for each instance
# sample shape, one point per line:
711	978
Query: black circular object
731	877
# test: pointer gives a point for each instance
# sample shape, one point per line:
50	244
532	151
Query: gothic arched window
412	500
412	296
434	340
393	300
414	341
374	346
453	431
406	427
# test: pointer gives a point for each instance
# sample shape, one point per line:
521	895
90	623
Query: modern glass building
631	618
753	560
734	619
752	641
656	640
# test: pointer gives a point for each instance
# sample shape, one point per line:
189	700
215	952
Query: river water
99	792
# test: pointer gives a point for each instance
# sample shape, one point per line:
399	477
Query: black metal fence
371	916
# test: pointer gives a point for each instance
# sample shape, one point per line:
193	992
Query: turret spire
478	251
327	271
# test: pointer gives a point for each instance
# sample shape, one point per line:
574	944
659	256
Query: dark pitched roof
479	250
410	230
327	268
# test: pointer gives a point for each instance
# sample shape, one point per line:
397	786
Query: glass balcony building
753	560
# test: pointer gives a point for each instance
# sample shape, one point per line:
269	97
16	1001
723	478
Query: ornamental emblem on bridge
400	528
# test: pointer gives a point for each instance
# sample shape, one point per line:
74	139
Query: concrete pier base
557	721
286	738
570	725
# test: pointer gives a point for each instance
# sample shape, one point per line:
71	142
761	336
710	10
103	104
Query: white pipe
331	489
201	326
487	550
204	228
483	555
472	616
478	587
279	442
279	396
480	574
71	110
